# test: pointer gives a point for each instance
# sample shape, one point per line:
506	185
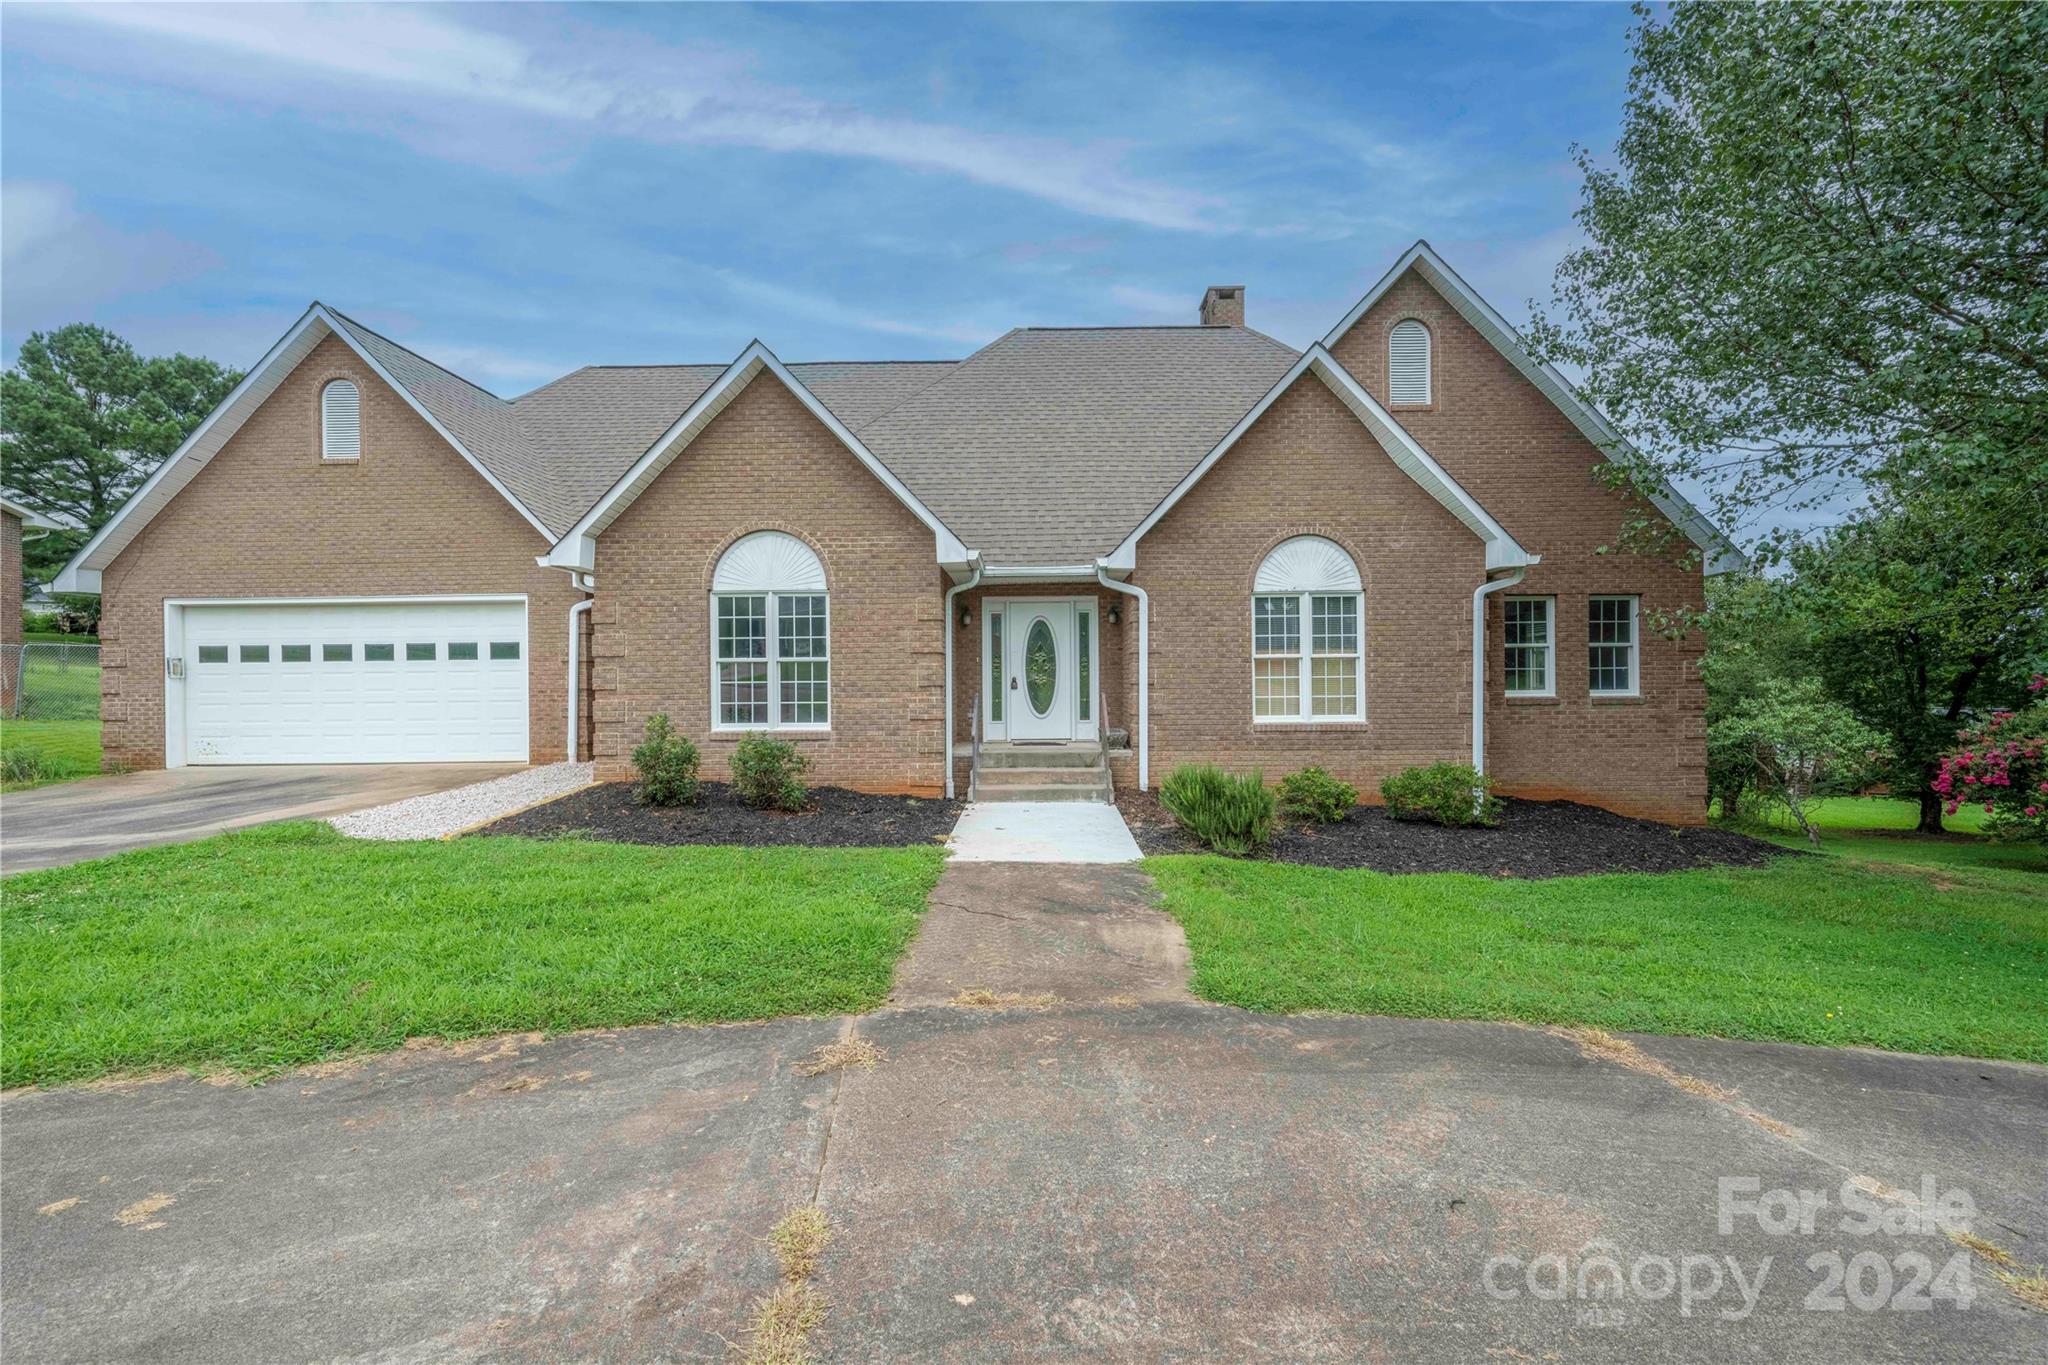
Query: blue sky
519	191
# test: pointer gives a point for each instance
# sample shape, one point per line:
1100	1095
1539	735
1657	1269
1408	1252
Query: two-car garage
347	680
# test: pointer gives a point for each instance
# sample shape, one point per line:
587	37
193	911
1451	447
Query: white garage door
364	682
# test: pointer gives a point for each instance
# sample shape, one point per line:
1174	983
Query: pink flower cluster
2001	763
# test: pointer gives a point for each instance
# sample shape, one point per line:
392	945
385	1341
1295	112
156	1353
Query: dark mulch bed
1533	839
836	818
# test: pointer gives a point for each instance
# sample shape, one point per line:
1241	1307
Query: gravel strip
440	814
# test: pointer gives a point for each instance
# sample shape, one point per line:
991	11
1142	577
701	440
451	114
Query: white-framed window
1612	646
1408	379
341	421
1308	635
1531	645
771	656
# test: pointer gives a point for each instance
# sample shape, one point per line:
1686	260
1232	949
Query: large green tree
1819	251
85	419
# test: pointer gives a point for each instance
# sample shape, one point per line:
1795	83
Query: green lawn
286	944
1868	812
1948	958
69	748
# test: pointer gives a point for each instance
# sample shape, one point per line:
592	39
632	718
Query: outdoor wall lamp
1116	615
967	616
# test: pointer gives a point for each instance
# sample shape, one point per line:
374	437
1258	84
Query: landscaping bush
1228	814
1455	794
1797	745
668	765
2003	766
768	773
1313	795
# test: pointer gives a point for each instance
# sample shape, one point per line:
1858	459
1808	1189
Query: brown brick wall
1309	468
765	463
1527	465
10	578
266	518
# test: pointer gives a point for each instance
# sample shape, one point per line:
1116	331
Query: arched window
771	658
1308	641
341	422
1408	362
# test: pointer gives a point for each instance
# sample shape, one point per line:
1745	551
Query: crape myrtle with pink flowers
2002	765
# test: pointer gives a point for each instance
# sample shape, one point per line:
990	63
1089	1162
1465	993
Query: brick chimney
1223	306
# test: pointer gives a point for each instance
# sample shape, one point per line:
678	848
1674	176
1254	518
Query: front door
1038	656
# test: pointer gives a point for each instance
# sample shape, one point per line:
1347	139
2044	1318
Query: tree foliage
1820	252
1797	745
85	420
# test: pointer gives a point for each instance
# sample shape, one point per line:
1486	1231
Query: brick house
1195	543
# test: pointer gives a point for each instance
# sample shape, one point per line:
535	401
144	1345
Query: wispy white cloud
56	260
647	90
797	305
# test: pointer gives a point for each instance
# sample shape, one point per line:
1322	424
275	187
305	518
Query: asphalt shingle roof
1047	446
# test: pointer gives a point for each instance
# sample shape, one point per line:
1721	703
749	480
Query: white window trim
774	661
1428	365
1303	656
326	389
1549	647
1635	645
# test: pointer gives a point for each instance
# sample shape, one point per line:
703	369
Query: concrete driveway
1089	1168
72	821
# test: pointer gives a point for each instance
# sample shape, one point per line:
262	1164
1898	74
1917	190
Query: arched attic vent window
1408	379
341	421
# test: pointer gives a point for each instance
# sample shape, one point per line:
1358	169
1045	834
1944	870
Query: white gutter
1144	668
575	669
952	593
1479	596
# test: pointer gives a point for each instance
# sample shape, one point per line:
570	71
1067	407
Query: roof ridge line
423	359
958	366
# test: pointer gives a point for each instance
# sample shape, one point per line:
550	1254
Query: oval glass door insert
1041	667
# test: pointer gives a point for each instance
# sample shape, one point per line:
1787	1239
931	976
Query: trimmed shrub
1454	794
1313	795
668	765
768	773
1228	814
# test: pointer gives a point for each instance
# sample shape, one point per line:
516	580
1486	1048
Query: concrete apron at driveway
1084	1164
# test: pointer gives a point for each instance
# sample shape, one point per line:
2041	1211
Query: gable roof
1503	551
577	549
1717	551
1049	444
446	403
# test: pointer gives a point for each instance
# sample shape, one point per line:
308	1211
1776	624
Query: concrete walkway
1043	832
96	816
1049	933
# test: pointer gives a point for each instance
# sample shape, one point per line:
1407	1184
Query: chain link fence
50	682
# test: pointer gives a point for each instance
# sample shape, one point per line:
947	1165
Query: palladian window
771	636
1308	636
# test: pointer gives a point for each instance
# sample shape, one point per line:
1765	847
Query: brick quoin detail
268	517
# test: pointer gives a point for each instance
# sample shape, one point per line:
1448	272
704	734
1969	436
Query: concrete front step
1032	777
1040	756
1045	792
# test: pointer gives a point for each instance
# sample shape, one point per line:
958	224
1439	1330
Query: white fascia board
1502	550
1719	552
1018	573
314	326
577	549
31	520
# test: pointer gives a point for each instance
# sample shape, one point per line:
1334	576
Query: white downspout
575	673
1144	670
1479	596
952	593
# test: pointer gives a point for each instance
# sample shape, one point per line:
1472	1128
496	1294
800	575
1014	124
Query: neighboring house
15	518
1231	550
